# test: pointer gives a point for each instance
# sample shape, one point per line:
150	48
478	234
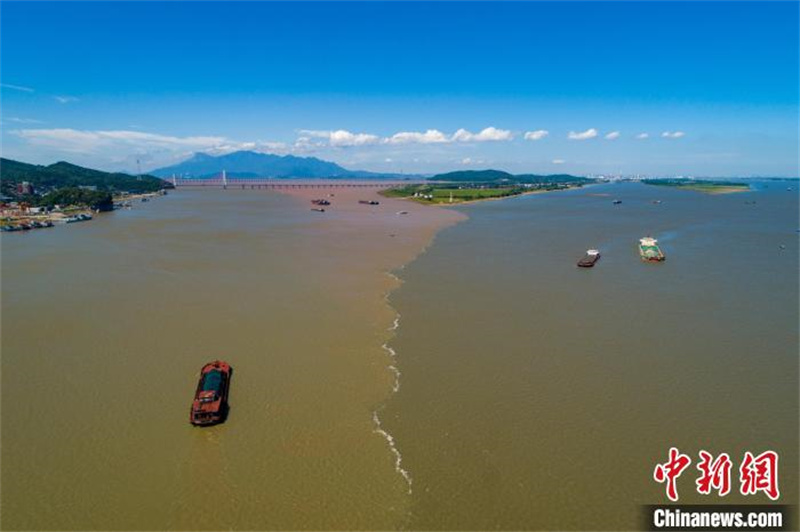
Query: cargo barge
589	260
210	405
649	250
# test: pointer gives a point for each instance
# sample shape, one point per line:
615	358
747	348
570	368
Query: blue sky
659	88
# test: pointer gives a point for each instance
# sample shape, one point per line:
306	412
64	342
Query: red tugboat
210	404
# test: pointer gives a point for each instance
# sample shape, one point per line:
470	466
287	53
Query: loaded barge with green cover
649	250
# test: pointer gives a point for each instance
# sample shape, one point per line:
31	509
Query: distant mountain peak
255	164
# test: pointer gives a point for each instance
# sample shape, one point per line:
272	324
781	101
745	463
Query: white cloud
583	135
434	136
342	137
22	120
65	99
345	138
258	146
488	134
613	135
305	144
16	87
86	141
642	136
559	161
431	136
673	134
536	135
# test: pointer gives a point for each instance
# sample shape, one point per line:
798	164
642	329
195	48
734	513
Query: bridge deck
287	183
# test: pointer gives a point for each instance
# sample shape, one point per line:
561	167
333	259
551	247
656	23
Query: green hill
64	175
474	176
501	177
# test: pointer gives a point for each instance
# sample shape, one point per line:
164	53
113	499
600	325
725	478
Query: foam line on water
392	367
398	458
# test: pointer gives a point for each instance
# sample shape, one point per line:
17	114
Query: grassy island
477	185
708	187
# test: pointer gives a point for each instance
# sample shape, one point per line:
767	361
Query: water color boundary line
398	458
398	462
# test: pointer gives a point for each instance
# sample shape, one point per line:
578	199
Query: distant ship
588	260
649	250
617	201
210	405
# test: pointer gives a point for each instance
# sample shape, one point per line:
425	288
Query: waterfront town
27	211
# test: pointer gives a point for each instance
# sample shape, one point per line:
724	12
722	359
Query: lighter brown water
106	325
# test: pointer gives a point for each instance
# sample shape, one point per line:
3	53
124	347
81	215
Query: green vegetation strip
698	185
447	193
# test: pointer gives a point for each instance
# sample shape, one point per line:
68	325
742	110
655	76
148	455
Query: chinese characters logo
756	473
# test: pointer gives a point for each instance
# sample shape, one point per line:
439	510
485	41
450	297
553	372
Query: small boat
649	250
369	202
210	405
588	260
320	202
617	201
403	212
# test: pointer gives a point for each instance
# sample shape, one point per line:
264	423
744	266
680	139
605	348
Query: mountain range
242	164
245	164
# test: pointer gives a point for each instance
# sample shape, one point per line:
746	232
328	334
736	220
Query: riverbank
17	216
